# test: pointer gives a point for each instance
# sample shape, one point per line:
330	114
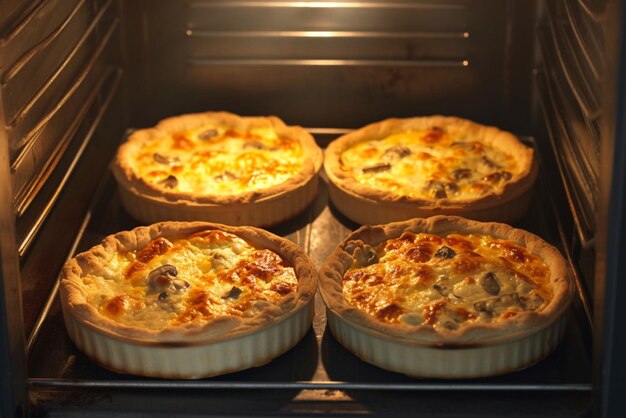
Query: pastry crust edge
127	177
482	207
73	294
472	335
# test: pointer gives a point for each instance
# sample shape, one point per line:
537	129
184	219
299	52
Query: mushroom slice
436	189
497	176
364	254
494	177
161	278
488	162
484	306
445	252
257	145
451	325
233	293
396	152
440	190
451	187
489	284
162	159
439	193
208	134
462	173
377	168
169	182
441	289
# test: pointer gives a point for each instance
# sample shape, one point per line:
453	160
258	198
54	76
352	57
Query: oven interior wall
332	64
63	116
75	74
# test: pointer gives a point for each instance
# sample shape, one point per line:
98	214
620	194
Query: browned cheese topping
214	160
430	164
445	281
189	280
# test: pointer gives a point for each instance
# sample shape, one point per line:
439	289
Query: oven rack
317	366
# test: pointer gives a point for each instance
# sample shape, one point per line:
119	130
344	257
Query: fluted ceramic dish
467	321
179	338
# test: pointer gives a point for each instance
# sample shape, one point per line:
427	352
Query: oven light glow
321	34
321	4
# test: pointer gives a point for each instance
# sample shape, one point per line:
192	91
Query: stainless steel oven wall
580	84
61	114
610	289
12	356
332	64
75	73
569	81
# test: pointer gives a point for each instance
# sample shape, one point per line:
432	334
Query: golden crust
73	293
523	324
206	206
387	206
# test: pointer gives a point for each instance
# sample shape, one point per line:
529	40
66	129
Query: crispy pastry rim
387	206
471	335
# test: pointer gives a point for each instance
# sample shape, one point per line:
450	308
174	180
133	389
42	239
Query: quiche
188	300
399	169
446	297
219	167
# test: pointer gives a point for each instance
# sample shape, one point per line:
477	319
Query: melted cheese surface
446	281
431	164
216	274
213	160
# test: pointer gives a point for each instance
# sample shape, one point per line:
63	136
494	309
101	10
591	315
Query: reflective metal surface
340	64
609	338
74	74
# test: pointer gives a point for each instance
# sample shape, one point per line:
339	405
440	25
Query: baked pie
399	169
446	297
219	167
188	300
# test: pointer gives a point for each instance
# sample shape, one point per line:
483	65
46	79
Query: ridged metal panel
609	337
325	64
23	59
61	67
571	46
52	74
589	37
384	16
42	102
